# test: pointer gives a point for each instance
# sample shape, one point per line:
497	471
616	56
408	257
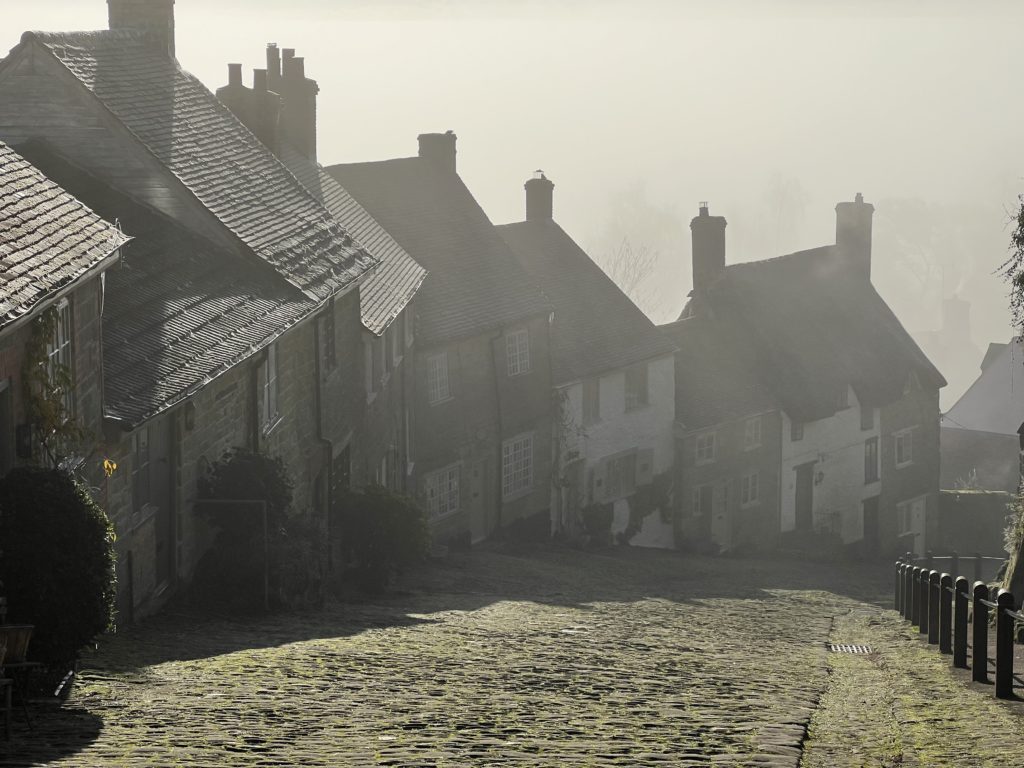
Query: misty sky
638	110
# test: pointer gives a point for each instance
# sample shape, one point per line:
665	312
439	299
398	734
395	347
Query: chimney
298	103
853	235
273	68
708	237
234	75
538	197
256	107
156	16
439	149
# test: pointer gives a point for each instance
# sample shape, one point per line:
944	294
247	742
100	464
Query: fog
639	110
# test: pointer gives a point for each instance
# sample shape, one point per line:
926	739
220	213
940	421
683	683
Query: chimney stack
439	149
539	193
298	102
234	75
853	235
708	237
273	68
155	16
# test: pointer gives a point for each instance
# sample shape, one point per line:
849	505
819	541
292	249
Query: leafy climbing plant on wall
48	382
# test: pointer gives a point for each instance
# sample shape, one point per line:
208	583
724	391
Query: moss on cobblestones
553	658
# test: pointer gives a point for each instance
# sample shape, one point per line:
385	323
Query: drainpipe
497	405
326	444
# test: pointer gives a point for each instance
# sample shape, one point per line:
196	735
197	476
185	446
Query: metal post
922	595
979	633
960	622
908	591
899	587
933	607
945	614
1004	645
915	595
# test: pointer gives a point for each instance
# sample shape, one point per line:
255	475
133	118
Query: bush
58	564
380	534
232	571
597	522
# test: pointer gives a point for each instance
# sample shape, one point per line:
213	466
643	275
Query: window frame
867	418
271	389
443	484
750	490
751	426
700	493
438	379
60	354
796	431
620	475
872	472
903	443
517	470
636	393
517	352
711	453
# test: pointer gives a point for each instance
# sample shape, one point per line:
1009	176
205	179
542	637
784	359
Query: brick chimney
298	102
853	235
439	149
256	107
153	15
539	193
708	236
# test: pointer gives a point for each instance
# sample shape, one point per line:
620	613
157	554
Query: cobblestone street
548	657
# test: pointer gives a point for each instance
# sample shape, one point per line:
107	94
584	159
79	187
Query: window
704	448
867	417
330	356
442	491
752	433
843	398
368	379
591	401
517	465
749	490
437	378
796	431
871	460
517	352
636	386
621	476
700	502
58	359
909	515
140	469
270	410
904	445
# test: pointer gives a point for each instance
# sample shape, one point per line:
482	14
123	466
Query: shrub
58	565
597	522
232	571
380	534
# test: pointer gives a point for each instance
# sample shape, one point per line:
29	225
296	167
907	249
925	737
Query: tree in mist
629	268
1013	269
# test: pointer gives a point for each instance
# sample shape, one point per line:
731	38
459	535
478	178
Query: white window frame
271	410
903	443
750	491
752	433
905	514
441	490
517	466
696	508
705	446
438	386
875	474
59	353
638	398
517	352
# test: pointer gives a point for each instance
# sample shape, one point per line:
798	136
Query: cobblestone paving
541	658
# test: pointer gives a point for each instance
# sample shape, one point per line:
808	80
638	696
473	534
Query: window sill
270	426
448	399
516	495
703	462
438	518
751	447
518	373
750	504
905	464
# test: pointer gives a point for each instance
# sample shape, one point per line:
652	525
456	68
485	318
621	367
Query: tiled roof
178	311
716	382
811	328
596	328
392	285
474	281
227	168
47	237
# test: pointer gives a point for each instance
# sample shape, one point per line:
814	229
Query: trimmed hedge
58	562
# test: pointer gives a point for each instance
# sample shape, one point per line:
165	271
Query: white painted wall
647	427
836	443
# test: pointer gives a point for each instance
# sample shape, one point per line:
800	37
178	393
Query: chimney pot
439	149
259	80
707	235
539	194
234	74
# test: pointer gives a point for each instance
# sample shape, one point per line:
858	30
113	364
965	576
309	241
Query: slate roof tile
227	168
47	237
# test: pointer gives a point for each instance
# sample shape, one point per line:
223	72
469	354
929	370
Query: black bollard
922	595
946	614
933	607
979	633
908	591
1004	645
915	595
960	622
897	591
